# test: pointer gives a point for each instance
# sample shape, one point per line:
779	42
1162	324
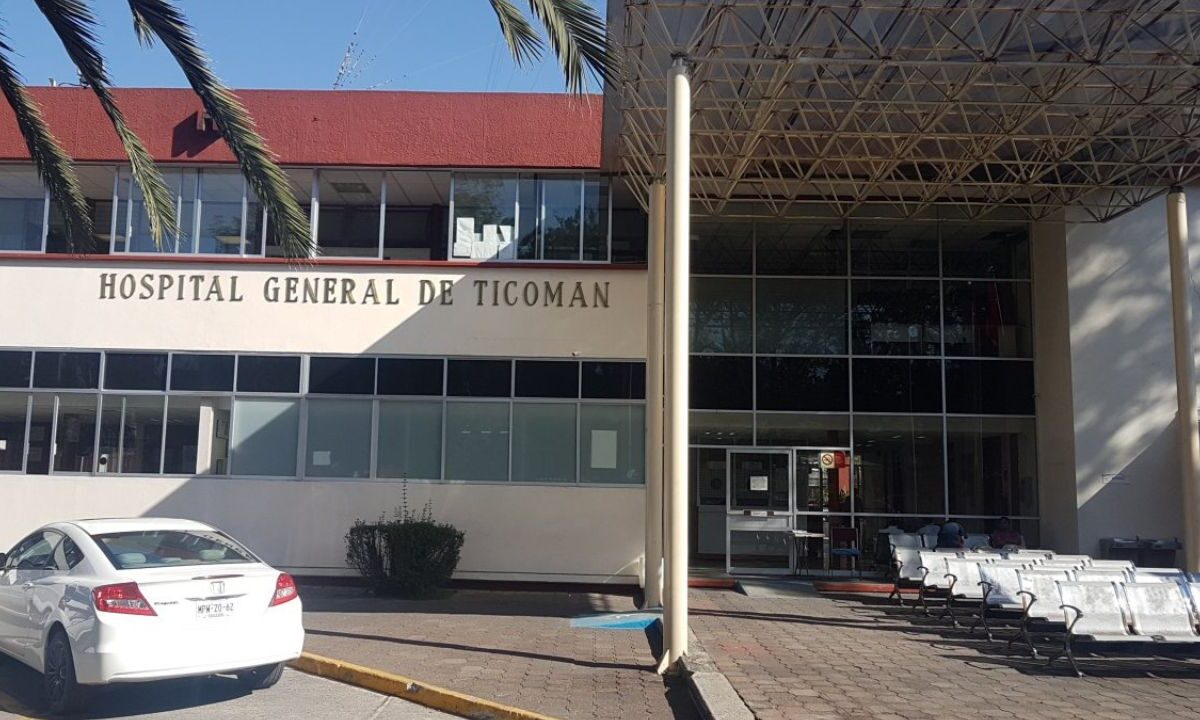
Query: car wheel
63	693
260	678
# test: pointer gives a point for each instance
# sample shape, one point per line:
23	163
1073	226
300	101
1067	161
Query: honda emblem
218	588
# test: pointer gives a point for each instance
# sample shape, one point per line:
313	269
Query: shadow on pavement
512	603
24	686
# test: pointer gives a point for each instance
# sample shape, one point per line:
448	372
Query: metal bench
934	580
1039	593
906	562
963	573
1001	591
1094	612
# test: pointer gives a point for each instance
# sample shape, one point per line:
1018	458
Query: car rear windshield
170	548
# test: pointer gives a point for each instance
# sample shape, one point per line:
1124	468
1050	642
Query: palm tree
574	30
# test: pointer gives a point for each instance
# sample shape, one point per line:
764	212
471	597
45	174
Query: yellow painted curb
432	696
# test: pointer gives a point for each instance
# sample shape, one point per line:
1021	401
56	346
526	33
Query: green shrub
408	555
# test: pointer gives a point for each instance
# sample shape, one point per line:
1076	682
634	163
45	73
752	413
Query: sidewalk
516	648
851	657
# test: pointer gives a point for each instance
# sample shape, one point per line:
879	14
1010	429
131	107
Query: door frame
744	520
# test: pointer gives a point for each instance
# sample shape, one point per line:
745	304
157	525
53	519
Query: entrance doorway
787	509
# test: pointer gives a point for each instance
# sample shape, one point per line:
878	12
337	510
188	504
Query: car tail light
285	589
125	599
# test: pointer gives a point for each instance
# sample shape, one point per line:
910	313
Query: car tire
64	695
260	678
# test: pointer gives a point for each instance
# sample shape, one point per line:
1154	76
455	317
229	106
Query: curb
431	696
714	695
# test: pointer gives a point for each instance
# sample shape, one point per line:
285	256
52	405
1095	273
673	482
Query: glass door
758	536
824	491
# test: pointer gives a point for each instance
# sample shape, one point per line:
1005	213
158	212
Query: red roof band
335	128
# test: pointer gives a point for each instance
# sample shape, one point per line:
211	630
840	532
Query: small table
804	535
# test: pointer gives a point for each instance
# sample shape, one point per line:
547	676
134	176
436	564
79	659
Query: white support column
1185	376
679	111
655	288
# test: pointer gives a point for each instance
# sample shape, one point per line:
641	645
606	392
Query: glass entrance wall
910	344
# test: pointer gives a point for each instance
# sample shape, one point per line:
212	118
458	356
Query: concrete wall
513	531
1122	376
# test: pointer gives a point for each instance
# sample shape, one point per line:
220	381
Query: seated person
1004	535
951	536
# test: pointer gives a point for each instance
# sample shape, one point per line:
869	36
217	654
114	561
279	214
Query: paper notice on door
759	483
604	449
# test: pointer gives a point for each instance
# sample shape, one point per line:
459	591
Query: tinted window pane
208	373
905	250
612	444
267	373
614	380
66	370
720	428
721	382
479	378
13	409
897	386
265	433
197	435
14	368
992	465
899	464
801	317
983	252
785	429
722	248
896	317
787	383
477	441
543	442
135	371
349	376
74	443
988	319
989	387
339	438
720	315
800	249
538	378
410	440
409	376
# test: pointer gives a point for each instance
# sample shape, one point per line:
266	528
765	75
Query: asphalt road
297	695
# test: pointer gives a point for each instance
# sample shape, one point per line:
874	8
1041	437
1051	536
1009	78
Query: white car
92	602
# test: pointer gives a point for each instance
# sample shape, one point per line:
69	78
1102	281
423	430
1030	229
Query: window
561	207
182	185
341	375
479	378
720	428
800	249
264	436
339	438
896	317
268	373
899	464
14	368
410	440
614	380
416	217
41	428
67	555
904	386
301	182
992	465
989	387
170	548
721	320
22	209
68	370
75	433
477	441
13	409
981	251
197	441
131	434
405	376
909	250
135	371
543	442
612	444
988	319
722	248
629	235
350	204
220	210
205	373
791	383
96	184
785	429
35	552
547	378
801	317
719	382
595	220
485	208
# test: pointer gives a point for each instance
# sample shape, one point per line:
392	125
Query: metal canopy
958	109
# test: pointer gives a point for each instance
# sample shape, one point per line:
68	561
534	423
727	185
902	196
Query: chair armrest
953	581
1032	599
1078	614
987	588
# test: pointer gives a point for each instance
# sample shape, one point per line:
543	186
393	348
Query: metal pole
675	615
655	281
1185	376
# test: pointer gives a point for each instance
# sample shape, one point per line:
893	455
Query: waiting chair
1094	612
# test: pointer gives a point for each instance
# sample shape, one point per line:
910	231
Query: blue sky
405	44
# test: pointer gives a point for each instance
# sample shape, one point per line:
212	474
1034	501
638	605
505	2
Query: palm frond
579	40
161	20
75	26
53	165
522	40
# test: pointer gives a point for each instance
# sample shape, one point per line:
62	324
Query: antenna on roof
351	65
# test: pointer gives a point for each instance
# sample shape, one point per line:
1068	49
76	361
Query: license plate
214	609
